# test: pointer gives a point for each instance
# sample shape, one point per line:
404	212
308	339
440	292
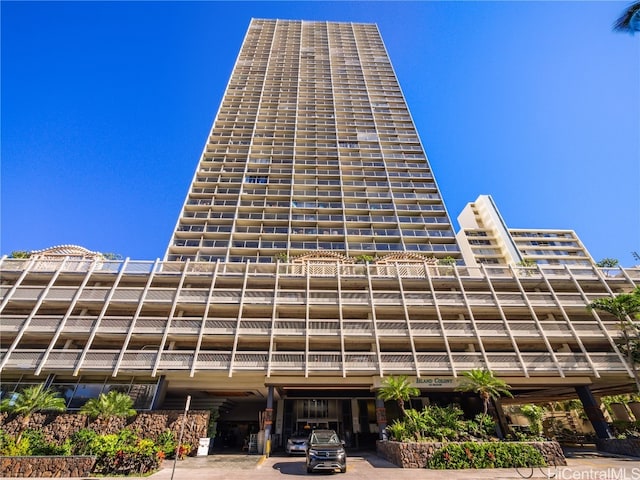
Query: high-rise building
313	148
313	257
484	238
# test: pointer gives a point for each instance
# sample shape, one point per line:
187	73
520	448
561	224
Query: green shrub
119	453
31	443
398	431
441	424
38	445
482	426
124	453
485	455
167	443
82	441
9	447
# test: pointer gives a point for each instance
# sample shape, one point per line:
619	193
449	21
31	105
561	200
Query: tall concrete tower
313	148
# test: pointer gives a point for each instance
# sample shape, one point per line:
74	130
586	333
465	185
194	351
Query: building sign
435	382
424	383
381	416
268	416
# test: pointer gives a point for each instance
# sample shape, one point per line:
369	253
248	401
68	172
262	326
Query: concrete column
161	392
268	421
502	426
381	418
594	414
355	423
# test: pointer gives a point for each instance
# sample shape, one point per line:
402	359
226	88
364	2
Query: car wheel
309	470
343	470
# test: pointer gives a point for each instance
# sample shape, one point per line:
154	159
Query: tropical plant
608	263
534	414
398	431
448	260
485	455
485	384
443	423
39	445
214	415
20	254
184	450
167	443
440	424
481	426
574	405
113	404
364	258
626	308
10	448
629	21
83	441
31	400
526	262
398	389
281	256
119	453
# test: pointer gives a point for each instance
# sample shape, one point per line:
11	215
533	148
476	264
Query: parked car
325	452
297	443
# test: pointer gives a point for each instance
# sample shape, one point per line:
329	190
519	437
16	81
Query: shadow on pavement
290	468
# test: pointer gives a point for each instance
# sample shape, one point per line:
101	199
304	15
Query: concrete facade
314	256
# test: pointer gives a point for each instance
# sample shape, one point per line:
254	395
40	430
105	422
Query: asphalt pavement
366	465
582	465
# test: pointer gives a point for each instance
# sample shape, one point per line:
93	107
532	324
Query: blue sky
106	107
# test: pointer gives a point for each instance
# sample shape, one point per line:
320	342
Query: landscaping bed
468	454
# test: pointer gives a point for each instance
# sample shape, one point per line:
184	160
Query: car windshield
325	438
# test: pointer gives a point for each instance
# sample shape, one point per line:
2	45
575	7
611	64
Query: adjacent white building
485	239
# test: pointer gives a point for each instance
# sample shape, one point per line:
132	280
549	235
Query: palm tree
398	389
625	307
31	400
485	384
113	404
629	21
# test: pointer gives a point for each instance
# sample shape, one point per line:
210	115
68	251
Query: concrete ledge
416	455
46	467
619	446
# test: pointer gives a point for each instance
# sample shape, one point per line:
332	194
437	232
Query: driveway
368	466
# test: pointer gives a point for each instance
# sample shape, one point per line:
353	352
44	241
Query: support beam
594	414
160	394
268	421
381	418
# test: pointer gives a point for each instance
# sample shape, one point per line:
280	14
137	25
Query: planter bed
416	455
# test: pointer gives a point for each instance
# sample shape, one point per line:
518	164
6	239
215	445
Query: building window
256	179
